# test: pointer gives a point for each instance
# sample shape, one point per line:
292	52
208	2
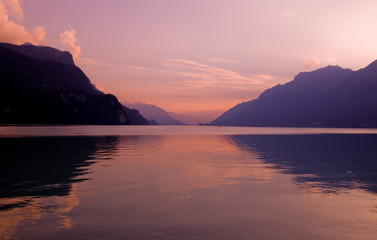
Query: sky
198	57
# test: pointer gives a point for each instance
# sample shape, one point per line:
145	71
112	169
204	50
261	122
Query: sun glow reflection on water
189	186
99	130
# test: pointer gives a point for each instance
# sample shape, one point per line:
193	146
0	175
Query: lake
187	182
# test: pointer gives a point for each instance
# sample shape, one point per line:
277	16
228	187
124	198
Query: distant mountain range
328	97
42	85
187	119
154	114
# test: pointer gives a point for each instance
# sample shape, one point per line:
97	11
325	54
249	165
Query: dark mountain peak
41	52
37	86
27	67
327	97
321	79
314	82
334	67
330	69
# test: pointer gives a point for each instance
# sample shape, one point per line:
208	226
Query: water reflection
46	166
326	162
39	176
183	164
188	187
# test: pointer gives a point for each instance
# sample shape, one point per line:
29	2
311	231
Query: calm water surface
163	182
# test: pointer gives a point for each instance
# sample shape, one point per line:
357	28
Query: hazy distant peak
151	111
146	105
137	102
187	119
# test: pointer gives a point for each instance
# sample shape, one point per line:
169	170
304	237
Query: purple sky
197	57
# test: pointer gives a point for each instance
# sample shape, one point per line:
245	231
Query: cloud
15	8
288	14
201	76
39	34
222	60
68	38
264	76
95	62
13	32
311	63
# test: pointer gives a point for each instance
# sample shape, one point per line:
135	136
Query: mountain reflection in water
329	162
46	166
189	187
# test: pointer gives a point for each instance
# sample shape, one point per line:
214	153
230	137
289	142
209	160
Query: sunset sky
199	57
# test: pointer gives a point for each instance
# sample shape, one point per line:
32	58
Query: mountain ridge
153	112
38	89
327	97
41	52
186	119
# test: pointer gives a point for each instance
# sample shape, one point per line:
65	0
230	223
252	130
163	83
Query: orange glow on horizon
230	52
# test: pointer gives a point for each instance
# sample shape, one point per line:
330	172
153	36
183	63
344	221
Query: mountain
42	85
328	162
186	119
328	97
135	117
155	113
41	52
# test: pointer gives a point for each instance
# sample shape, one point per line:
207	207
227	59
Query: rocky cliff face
37	88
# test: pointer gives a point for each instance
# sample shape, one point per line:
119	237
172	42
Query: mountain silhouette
155	113
328	97
327	162
42	85
47	166
186	119
41	52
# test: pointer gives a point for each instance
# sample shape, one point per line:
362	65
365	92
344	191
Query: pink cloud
68	38
222	60
311	63
13	32
15	8
265	76
92	62
330	59
201	76
40	34
95	62
184	66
